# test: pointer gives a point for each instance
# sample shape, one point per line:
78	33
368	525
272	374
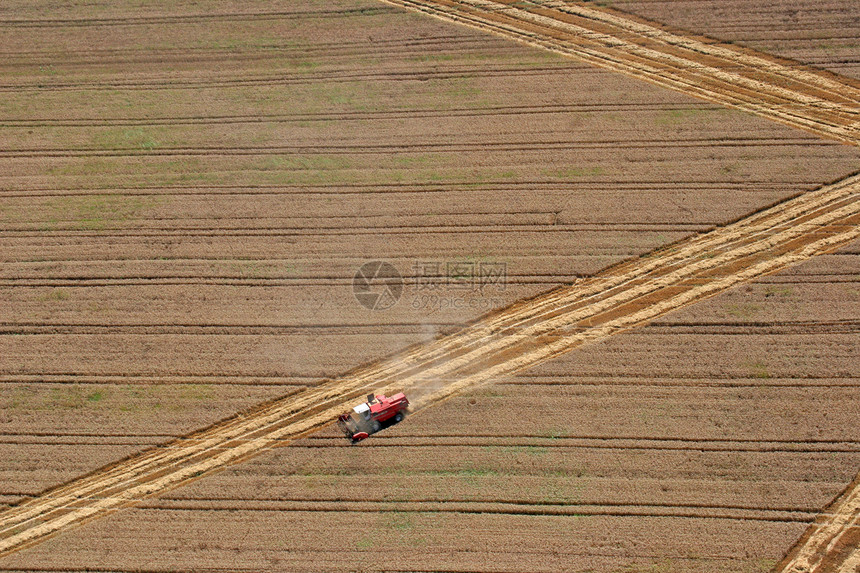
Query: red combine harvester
368	418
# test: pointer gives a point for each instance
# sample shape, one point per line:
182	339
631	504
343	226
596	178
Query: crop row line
562	509
533	144
799	328
407	188
229	17
430	442
340	76
369	115
317	52
169	500
264	379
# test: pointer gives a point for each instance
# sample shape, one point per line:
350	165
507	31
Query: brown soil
157	235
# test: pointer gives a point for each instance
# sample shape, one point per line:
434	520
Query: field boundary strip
817	101
500	344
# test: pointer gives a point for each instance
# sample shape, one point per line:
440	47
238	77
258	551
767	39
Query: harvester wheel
376	425
398	416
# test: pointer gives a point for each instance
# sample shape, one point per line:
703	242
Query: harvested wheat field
189	190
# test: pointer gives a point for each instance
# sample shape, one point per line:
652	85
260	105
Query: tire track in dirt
427	147
435	441
780	90
188	18
266	379
510	340
327	53
784	328
382	115
454	43
391	188
345	75
792	515
194	502
71	229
